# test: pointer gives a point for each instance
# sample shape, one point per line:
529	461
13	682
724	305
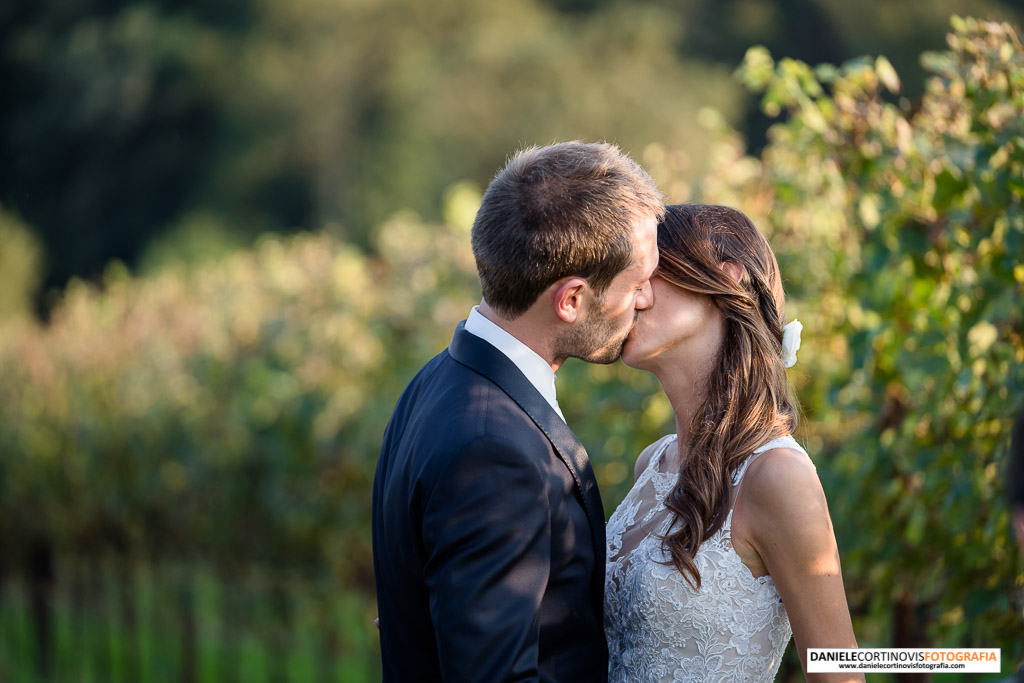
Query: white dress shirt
536	369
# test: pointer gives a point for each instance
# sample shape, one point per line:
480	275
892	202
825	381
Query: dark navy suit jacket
488	530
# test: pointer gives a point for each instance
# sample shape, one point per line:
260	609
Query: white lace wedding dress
735	628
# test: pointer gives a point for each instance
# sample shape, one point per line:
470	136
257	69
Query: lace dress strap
786	441
659	452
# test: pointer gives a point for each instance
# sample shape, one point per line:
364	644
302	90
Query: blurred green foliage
228	414
128	120
139	623
21	266
224	417
901	232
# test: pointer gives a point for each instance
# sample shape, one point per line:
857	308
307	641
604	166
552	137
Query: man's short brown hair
563	210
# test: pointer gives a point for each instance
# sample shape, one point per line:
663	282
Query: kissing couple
491	554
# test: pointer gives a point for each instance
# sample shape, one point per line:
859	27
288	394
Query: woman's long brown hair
747	397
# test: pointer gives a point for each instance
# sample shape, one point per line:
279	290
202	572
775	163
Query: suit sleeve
487	535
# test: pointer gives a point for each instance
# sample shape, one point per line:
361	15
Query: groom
488	529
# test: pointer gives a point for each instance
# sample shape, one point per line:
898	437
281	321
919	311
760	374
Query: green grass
129	625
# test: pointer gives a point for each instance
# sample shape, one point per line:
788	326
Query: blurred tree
121	119
824	31
104	128
20	263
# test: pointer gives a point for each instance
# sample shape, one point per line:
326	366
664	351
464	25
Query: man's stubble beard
595	341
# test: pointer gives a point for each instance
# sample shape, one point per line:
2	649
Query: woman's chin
631	357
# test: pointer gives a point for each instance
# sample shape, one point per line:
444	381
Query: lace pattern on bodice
659	628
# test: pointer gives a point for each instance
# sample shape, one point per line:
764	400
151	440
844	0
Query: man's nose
646	298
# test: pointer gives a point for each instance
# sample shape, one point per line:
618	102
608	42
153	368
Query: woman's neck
684	385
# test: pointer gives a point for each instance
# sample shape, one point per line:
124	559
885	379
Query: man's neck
525	329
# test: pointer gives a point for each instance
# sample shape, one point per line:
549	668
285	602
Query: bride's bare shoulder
782	473
645	456
781	497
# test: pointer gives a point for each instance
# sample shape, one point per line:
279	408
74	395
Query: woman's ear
734	270
568	298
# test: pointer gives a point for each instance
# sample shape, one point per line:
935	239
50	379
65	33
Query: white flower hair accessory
791	342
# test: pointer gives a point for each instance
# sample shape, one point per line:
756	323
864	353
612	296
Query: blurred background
231	232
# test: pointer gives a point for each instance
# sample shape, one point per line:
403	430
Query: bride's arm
783	515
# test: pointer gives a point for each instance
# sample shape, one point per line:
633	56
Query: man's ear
734	270
568	297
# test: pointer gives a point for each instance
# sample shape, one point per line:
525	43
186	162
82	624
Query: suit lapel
480	356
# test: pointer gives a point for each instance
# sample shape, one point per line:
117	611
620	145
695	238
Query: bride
724	548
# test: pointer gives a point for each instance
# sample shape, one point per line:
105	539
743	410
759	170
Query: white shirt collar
536	369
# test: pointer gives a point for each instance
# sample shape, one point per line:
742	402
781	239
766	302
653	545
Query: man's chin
606	355
605	359
581	345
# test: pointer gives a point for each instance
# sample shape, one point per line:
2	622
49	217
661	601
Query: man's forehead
644	259
647	229
647	242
